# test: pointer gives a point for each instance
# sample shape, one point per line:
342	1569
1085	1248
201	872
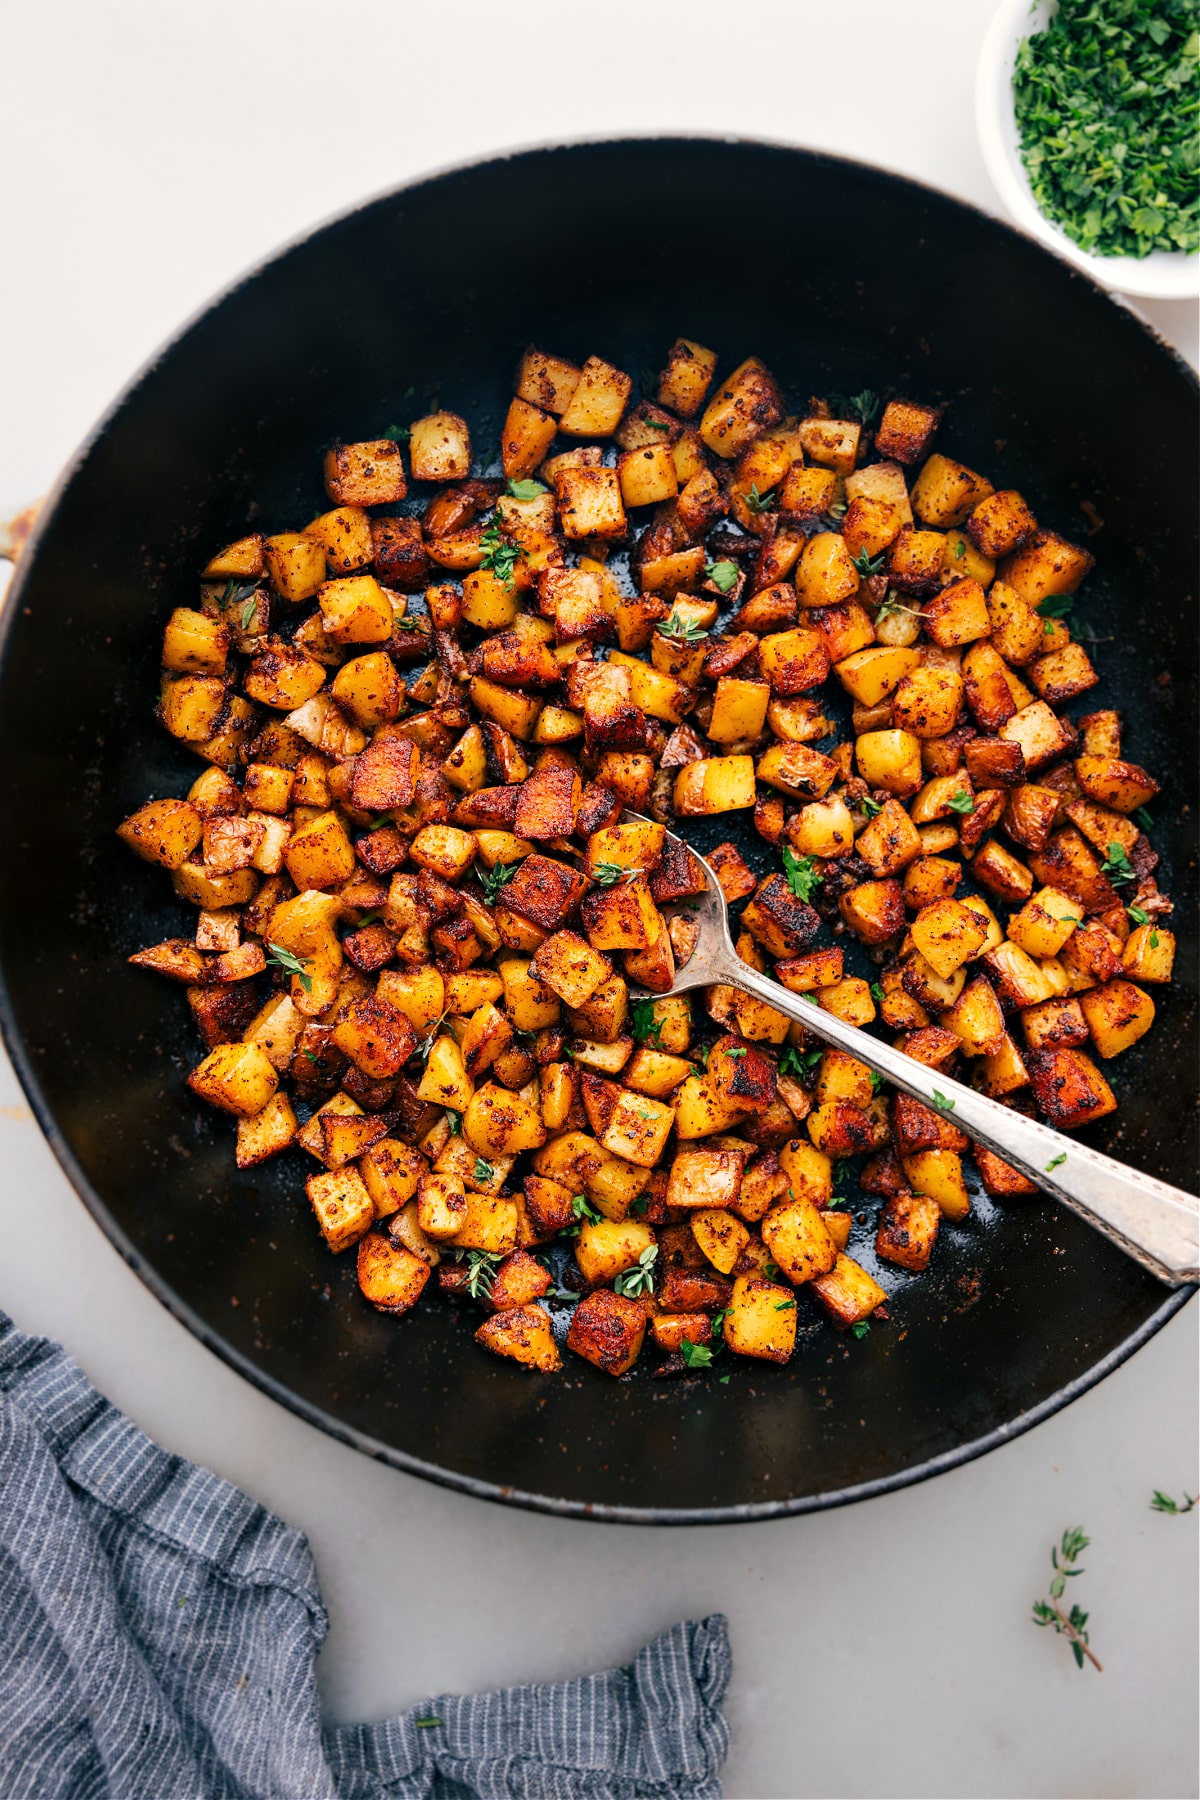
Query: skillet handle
1154	1223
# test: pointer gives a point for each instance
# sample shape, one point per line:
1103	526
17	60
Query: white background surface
148	152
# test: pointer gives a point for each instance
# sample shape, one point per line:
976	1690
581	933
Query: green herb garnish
785	1306
1105	100
877	993
484	1170
500	554
803	875
861	1329
941	1102
892	605
424	1724
1072	1625
494	879
399	434
608	874
1138	916
1117	866
643	1024
869	807
639	1279
759	503
683	631
527	490
292	965
454	1121
868	565
1057	606
801	1063
1163	1503
723	575
1142	815
481	1271
961	802
1056	1162
696	1356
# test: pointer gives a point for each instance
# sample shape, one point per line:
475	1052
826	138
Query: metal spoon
1158	1225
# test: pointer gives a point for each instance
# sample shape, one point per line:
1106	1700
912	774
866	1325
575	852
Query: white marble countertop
151	152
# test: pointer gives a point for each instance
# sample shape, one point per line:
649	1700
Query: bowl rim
1164	275
477	1487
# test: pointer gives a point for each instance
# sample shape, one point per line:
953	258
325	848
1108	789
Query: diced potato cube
390	1276
390	1171
638	1129
604	1250
440	448
499	1121
491	1225
445	1081
794	1231
906	430
344	1209
1149	953
1118	1014
163	832
607	1329
266	1133
891	760
1069	1088
365	474
708	1176
1045	922
907	1231
948	933
524	1335
715	784
761	1319
597	402
745	404
684	382
237	1078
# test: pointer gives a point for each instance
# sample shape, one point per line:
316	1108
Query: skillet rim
475	1486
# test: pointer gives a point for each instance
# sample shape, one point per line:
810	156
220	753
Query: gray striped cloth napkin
159	1633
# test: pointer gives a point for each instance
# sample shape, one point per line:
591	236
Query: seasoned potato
428	928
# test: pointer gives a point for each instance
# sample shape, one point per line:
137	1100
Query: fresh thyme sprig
481	1271
292	965
803	875
492	880
607	874
1163	1503
639	1279
868	565
1072	1625
759	503
892	605
484	1170
681	630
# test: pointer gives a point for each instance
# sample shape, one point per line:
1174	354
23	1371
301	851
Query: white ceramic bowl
1163	275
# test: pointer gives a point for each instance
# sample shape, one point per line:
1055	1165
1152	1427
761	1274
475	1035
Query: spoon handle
1157	1225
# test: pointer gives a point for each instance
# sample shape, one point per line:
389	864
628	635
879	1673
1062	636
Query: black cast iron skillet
841	277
